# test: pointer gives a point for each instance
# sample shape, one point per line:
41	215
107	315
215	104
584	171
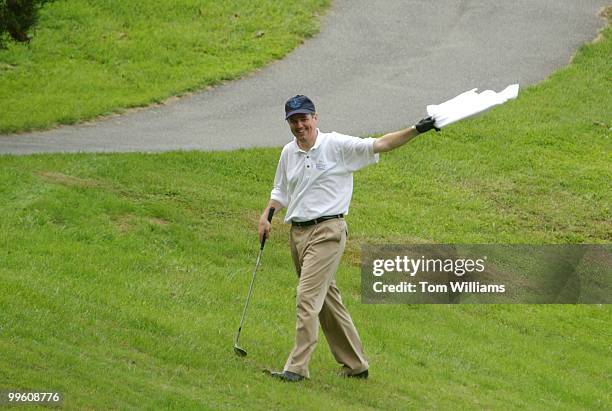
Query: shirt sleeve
357	153
279	189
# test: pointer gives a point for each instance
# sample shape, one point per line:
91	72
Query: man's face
303	126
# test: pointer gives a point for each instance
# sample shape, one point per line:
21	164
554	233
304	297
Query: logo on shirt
320	165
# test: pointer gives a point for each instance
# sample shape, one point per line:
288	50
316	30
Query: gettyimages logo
412	266
442	274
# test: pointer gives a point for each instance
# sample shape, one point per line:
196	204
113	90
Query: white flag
469	104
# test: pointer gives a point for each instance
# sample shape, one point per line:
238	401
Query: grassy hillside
123	275
93	57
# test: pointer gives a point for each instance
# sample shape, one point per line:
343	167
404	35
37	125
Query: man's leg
341	333
318	250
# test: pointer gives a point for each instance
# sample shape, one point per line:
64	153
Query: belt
316	220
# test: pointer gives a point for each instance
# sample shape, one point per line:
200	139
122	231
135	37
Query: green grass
93	57
123	275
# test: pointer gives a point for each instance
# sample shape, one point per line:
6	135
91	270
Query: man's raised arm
397	139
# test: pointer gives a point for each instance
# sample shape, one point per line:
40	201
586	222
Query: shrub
17	17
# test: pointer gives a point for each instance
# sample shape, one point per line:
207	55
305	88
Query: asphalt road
373	68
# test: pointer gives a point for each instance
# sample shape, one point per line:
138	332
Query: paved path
374	67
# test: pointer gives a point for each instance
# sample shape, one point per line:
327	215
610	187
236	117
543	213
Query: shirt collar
317	143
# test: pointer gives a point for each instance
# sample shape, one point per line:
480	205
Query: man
314	181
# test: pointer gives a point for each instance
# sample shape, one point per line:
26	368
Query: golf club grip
270	215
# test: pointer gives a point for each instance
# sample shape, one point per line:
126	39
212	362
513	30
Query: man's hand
264	226
426	124
265	221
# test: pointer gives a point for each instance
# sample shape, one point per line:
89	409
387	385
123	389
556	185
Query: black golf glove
426	124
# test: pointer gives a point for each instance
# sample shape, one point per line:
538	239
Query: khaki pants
316	252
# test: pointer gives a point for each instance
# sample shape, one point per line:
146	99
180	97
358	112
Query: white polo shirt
319	182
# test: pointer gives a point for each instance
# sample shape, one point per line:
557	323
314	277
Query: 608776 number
32	397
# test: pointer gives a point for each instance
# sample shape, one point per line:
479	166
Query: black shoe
362	375
287	376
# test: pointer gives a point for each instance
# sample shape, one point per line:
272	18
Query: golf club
240	351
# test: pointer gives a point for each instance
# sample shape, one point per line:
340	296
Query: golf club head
239	351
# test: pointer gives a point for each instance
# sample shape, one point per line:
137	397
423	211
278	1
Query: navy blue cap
299	105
